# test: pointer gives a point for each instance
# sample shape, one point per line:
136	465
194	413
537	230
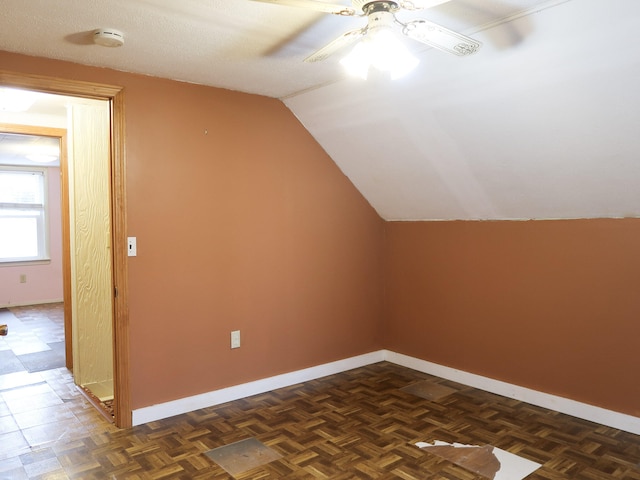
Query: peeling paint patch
488	461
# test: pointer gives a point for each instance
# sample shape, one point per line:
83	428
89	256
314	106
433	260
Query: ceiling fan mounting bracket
368	7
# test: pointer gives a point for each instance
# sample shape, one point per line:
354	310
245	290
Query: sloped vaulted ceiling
542	127
542	122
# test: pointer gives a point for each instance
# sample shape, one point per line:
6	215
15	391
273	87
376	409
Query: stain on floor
429	390
239	457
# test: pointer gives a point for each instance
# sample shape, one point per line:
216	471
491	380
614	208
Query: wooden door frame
115	96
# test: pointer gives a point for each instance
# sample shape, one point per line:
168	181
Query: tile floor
35	341
39	403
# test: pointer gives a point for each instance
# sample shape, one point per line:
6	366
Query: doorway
116	181
79	170
31	248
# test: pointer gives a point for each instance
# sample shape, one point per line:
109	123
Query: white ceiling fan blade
340	42
314	5
421	4
439	37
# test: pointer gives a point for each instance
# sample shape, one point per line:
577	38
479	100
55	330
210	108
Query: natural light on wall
15	100
22	215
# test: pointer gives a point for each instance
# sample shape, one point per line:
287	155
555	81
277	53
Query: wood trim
34	130
66	253
114	94
122	398
74	88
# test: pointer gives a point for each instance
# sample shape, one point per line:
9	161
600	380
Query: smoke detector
108	37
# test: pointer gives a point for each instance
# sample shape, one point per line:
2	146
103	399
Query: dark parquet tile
355	425
358	424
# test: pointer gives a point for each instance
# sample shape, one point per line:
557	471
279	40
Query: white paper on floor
512	467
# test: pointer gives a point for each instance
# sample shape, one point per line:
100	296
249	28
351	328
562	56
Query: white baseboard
29	304
599	415
581	410
216	397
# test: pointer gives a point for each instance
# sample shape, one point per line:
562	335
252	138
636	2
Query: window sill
24	263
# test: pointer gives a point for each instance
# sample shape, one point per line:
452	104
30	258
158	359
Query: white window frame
42	220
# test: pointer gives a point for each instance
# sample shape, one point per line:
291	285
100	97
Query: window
23	233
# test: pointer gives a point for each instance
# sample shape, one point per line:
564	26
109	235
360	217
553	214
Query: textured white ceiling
541	123
543	128
30	150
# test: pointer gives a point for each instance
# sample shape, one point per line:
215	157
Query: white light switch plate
132	249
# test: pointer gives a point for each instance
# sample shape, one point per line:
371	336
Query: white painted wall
44	282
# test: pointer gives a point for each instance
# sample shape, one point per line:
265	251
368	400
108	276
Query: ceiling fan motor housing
372	6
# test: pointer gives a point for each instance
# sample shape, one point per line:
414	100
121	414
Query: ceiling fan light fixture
358	61
42	158
390	55
382	50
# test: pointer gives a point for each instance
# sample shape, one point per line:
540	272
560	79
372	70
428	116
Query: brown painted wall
243	222
549	305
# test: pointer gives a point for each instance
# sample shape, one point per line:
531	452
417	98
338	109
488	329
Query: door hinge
115	291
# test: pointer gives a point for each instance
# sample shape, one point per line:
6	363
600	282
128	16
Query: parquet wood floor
355	425
361	424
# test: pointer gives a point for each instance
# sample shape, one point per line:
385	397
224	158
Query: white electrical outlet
235	339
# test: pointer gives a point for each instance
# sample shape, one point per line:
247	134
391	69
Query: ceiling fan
381	18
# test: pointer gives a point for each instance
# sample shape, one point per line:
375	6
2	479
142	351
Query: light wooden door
90	245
